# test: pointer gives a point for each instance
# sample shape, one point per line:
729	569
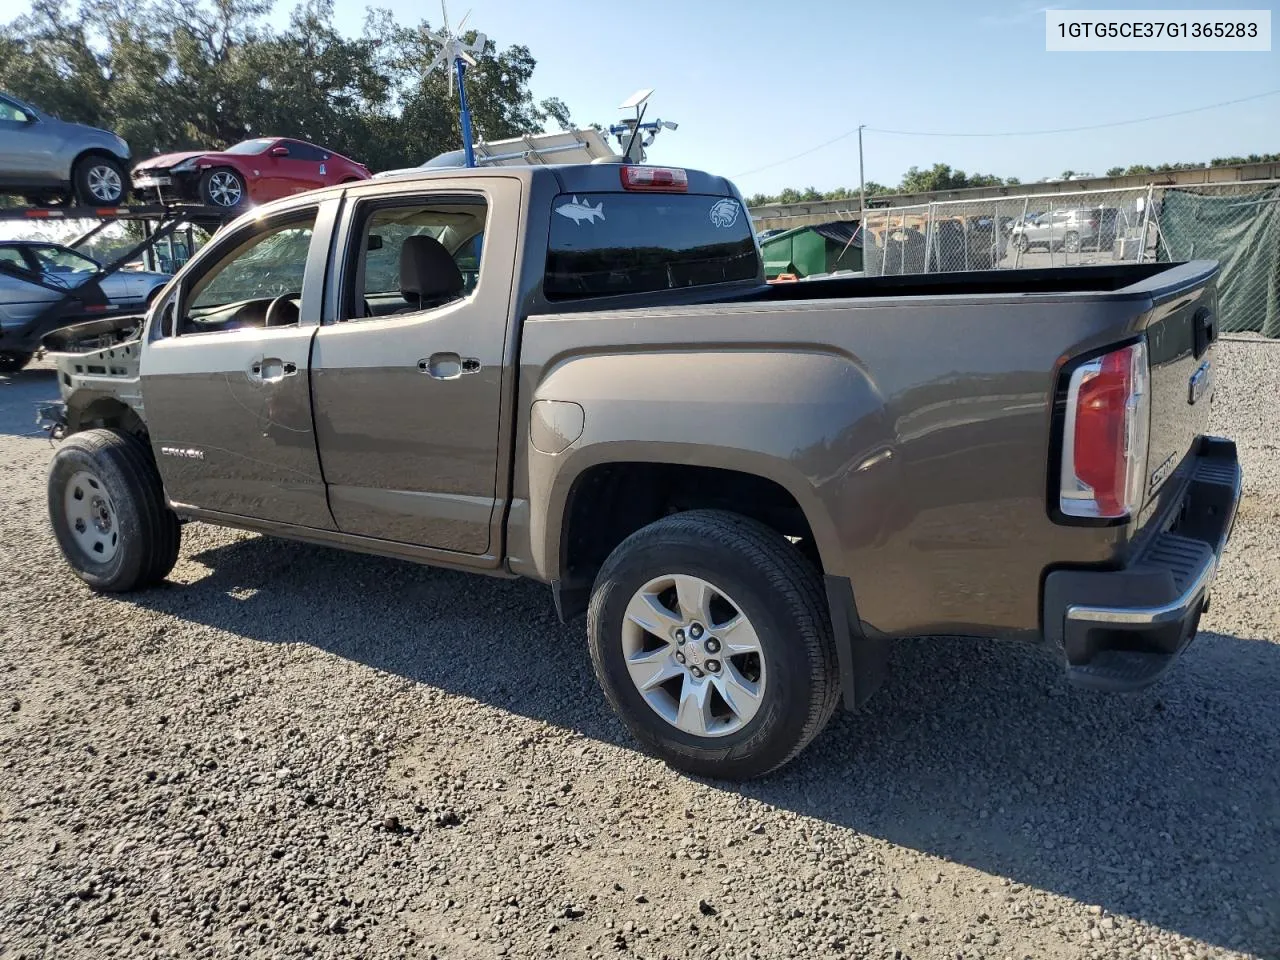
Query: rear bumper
1122	630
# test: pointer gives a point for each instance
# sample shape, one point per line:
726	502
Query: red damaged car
253	171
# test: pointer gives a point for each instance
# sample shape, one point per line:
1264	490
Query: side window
257	283
60	260
413	256
12	257
12	112
304	151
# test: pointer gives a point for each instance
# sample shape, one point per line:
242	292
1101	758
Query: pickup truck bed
816	469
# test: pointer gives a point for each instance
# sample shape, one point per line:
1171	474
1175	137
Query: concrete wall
786	216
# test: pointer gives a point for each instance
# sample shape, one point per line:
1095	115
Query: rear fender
804	420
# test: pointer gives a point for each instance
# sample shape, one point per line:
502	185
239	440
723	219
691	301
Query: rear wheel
11	361
710	636
98	179
108	511
1023	243
222	187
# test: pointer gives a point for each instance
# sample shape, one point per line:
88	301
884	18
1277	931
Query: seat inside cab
418	257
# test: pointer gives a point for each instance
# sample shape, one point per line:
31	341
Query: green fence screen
1242	232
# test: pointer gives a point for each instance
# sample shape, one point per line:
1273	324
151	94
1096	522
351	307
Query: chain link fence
1007	233
1237	224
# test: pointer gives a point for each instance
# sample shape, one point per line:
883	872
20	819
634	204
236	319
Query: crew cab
579	375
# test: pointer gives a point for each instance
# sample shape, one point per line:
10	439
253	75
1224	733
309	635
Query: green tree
1251	158
942	177
174	74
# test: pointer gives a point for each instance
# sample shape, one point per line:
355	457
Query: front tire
108	511
222	187
710	636
99	180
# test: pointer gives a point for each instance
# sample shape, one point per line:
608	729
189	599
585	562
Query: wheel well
95	152
611	501
109	413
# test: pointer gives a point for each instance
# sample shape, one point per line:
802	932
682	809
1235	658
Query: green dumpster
819	248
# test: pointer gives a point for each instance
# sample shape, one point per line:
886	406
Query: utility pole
862	189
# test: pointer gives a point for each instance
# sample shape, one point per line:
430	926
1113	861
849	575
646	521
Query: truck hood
167	160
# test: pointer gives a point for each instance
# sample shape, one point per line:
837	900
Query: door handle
272	370
448	366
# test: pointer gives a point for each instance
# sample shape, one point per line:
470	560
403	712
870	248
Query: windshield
251	146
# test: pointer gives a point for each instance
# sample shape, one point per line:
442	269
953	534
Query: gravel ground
293	751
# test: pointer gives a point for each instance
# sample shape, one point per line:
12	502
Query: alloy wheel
693	655
104	183
225	189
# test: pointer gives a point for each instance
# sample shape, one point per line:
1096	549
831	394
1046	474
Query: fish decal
577	212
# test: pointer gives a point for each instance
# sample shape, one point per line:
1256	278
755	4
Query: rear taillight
654	179
1104	438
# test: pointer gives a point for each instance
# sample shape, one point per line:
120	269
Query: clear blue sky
752	82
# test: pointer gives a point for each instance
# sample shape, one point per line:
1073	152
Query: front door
225	374
298	170
406	382
27	144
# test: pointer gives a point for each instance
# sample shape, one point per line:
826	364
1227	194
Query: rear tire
99	180
749	716
11	361
108	511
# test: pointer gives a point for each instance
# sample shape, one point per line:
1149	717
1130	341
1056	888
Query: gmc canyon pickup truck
578	374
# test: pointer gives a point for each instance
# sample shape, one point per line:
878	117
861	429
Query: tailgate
1182	328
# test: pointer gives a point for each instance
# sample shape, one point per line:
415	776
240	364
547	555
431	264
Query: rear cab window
606	244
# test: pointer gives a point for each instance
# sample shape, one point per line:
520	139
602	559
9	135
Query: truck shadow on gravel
1163	806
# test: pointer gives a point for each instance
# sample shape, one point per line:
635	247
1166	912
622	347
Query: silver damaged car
59	269
47	160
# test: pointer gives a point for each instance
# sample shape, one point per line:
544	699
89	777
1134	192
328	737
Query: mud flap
863	660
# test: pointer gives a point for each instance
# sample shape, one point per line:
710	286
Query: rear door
225	369
407	386
21	299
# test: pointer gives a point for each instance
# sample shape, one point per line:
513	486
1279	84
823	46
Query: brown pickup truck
579	375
